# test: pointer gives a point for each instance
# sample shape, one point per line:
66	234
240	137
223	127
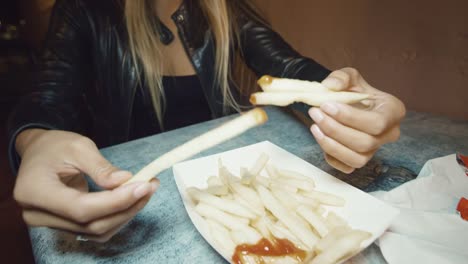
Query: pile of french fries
282	205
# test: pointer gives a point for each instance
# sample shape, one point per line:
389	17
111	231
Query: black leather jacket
86	81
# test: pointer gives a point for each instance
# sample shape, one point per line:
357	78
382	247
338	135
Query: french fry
222	236
272	84
316	221
333	220
229	221
320	210
214	181
246	177
344	247
285	187
272	171
248	194
261	224
298	176
331	238
281	231
247	235
205	141
297	184
310	202
325	198
285	198
259	164
293	222
277	260
256	210
225	205
312	99
294	175
218	190
263	181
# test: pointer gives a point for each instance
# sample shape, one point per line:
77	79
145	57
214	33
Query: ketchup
280	248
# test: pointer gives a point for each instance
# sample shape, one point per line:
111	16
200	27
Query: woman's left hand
350	135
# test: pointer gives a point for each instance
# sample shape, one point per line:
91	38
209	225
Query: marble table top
163	232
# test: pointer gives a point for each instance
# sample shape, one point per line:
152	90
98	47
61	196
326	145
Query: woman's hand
350	135
53	192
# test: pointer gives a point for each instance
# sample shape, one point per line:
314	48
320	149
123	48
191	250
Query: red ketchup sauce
281	248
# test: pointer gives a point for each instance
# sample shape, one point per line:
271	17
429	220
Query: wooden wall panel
416	50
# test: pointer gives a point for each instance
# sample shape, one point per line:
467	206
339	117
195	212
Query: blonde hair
145	46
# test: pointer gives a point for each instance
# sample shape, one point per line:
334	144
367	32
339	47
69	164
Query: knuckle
351	71
342	75
102	170
367	145
328	127
379	127
20	195
81	142
27	218
97	228
80	215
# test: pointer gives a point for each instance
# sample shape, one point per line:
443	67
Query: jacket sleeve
56	100
265	52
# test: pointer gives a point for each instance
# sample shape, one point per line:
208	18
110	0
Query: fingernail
316	115
330	108
142	190
154	186
317	132
120	175
332	83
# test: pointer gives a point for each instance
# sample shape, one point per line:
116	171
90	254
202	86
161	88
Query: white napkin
428	229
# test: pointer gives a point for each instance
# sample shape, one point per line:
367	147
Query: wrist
26	137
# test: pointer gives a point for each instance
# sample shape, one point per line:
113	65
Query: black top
85	77
185	105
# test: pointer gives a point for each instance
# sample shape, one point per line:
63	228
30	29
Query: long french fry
225	205
272	84
205	141
312	99
316	221
229	221
325	198
287	199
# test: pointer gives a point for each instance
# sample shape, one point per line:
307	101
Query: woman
114	71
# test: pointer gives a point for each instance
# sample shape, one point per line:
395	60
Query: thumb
90	161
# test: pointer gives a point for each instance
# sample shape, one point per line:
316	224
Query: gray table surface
163	232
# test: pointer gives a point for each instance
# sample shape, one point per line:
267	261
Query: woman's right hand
52	190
